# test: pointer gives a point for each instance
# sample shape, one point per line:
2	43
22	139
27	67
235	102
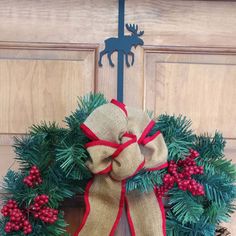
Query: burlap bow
119	149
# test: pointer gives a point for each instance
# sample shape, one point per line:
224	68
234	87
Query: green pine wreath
60	156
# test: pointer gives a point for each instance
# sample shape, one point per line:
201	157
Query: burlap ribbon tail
121	147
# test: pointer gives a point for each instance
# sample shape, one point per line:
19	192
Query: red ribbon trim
146	131
163	214
150	138
128	135
123	199
123	146
87	207
121	206
105	171
120	105
140	167
129	218
165	165
89	133
103	143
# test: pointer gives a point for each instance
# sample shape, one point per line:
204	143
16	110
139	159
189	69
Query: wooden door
49	51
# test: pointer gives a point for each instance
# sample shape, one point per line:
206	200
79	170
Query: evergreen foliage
60	155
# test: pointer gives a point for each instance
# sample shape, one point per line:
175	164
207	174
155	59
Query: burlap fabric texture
121	147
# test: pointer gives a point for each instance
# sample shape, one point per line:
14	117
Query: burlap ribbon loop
120	147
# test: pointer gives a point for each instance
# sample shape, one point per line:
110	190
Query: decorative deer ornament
124	44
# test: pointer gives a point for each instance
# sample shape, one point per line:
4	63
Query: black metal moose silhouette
123	44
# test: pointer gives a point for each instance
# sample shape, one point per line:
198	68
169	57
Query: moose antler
134	29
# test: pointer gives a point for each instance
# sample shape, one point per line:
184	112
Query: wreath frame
60	155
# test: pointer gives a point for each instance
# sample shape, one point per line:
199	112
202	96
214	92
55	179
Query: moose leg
127	59
109	58
102	53
132	55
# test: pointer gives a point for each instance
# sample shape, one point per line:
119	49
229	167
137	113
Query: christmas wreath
197	182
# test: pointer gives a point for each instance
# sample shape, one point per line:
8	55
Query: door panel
49	51
33	91
200	86
40	82
41	85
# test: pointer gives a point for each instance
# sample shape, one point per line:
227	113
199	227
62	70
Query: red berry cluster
44	213
18	220
34	178
181	173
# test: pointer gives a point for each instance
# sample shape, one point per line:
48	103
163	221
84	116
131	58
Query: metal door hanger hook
122	44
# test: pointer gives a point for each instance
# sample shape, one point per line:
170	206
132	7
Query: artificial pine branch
184	206
60	155
177	133
210	147
145	181
72	161
86	105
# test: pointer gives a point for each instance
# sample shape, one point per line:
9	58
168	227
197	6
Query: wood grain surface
48	57
200	86
38	85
